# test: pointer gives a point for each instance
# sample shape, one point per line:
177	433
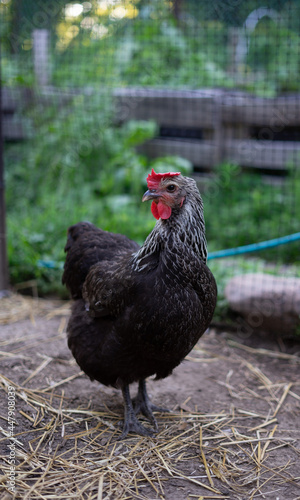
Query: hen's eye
171	188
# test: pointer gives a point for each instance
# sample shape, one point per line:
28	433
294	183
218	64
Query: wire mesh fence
96	93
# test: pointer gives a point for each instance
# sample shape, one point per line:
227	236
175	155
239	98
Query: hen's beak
151	194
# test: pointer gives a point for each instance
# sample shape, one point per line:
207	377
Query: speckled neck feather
182	233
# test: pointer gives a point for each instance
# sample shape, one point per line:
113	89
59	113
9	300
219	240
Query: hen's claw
134	426
142	404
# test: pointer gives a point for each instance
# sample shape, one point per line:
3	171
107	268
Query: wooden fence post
41	60
237	50
3	255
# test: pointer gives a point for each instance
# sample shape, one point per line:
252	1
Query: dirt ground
233	430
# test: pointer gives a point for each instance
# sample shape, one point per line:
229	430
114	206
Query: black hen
139	311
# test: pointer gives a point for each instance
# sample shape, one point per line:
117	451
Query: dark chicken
139	311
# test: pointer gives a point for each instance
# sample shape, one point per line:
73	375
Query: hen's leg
131	423
143	404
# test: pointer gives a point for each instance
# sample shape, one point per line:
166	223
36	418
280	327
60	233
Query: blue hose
255	247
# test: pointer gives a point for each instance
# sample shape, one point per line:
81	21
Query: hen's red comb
154	179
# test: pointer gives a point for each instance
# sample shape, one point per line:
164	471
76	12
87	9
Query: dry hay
92	463
75	452
16	307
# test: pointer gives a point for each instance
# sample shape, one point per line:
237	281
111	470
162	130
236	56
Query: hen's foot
142	404
131	423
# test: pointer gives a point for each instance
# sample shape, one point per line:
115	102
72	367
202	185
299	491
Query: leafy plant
243	209
274	52
78	166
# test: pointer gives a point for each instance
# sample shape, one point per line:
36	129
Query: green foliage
172	164
90	63
150	47
17	71
155	53
275	52
78	166
242	209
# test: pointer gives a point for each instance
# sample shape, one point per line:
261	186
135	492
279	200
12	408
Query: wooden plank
199	106
168	107
276	113
146	92
263	154
199	153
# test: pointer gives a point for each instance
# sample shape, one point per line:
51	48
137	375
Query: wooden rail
227	120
